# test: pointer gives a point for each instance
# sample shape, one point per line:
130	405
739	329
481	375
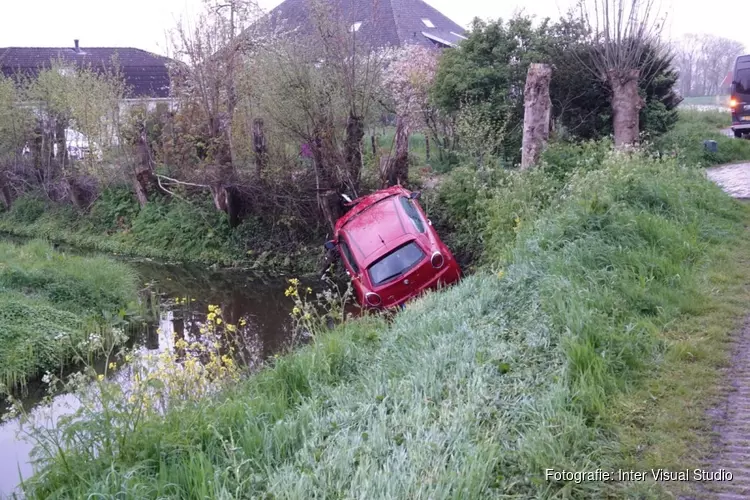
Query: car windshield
395	263
743	81
412	212
348	256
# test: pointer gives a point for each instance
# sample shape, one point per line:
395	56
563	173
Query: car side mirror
330	245
415	195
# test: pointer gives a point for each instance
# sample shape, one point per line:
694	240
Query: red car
390	249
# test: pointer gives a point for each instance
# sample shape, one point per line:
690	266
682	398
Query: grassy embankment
164	229
685	141
45	294
579	344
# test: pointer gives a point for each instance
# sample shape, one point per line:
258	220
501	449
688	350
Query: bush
27	209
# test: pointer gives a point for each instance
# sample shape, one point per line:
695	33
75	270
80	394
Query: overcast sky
142	23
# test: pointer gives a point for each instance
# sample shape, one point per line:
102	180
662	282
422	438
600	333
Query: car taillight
437	260
373	299
733	103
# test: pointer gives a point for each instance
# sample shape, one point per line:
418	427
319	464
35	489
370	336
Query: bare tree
703	62
213	50
625	41
317	88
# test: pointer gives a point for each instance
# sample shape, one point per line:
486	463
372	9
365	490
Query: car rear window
395	263
743	81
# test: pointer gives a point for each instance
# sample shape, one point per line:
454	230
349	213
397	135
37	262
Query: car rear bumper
448	276
741	126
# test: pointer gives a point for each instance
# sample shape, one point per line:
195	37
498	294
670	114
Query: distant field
706	100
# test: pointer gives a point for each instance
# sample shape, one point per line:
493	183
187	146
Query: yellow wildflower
243	322
231	328
295	311
307	316
218	321
211	316
500	274
309	290
112	365
100	377
211	308
294	281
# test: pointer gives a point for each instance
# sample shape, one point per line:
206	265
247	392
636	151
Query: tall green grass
45	294
164	229
469	393
685	140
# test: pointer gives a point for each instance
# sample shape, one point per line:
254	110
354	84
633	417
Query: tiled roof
383	22
145	73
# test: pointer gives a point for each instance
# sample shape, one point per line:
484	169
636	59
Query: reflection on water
184	294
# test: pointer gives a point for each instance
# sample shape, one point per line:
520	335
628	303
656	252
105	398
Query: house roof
146	74
378	23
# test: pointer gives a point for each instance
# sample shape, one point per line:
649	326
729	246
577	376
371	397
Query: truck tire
737	134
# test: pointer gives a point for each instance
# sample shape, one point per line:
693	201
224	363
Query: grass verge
685	140
664	423
45	294
167	230
470	393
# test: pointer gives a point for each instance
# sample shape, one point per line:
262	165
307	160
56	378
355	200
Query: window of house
428	23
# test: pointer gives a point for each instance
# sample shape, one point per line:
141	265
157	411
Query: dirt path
732	416
733	427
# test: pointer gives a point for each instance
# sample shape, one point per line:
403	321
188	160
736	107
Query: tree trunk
374	147
220	197
427	147
396	169
141	192
626	107
330	205
60	142
329	185
536	114
355	131
259	147
144	170
5	191
77	197
233	206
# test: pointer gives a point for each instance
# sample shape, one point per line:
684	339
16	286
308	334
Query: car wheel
737	134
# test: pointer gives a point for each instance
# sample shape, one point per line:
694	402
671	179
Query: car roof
377	230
